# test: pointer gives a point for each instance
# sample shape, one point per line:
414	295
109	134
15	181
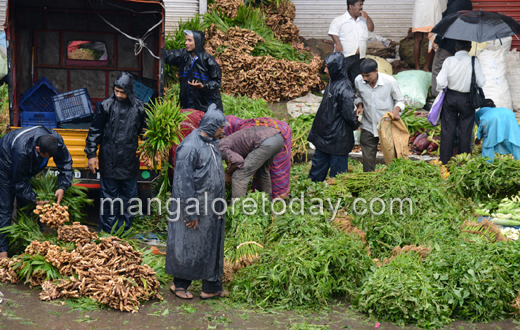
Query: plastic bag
434	117
494	66
414	85
513	77
394	138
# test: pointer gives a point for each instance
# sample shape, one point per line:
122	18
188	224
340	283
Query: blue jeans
111	208
322	161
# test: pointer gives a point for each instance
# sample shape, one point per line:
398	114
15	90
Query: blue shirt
497	125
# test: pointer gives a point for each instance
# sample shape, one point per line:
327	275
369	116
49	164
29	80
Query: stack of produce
505	213
227	7
255	60
7	273
423	136
258	76
76	233
110	272
279	18
53	215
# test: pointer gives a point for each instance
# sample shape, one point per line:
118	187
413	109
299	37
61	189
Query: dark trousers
110	191
322	161
368	143
353	69
457	112
6	207
207	286
258	161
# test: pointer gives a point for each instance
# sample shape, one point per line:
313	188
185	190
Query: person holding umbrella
456	73
457	111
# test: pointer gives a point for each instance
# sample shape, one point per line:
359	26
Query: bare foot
417	67
181	293
3	255
220	294
426	69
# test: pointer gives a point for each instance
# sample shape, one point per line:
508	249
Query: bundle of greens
507	209
164	124
247	224
483	181
403	292
303	272
301	127
244	107
410	204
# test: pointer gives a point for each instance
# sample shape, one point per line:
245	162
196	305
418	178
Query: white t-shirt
353	34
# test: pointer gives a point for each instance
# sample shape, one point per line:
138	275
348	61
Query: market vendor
332	131
195	248
199	73
498	130
378	93
280	169
249	151
116	127
23	154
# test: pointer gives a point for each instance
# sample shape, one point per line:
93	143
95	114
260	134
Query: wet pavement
22	309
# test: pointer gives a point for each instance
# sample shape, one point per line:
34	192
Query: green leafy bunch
303	272
244	107
436	213
483	180
164	126
300	127
403	292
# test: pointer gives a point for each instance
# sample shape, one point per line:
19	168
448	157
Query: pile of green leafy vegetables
307	262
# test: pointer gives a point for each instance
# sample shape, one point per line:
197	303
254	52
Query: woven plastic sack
513	77
494	66
414	85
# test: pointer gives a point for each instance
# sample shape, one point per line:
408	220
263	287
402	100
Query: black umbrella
478	26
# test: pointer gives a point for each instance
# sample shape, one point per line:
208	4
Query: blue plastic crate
143	92
73	106
39	97
47	119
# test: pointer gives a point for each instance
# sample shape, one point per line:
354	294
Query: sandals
174	291
220	294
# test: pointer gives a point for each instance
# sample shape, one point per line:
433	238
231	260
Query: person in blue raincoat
498	130
197	217
199	73
23	154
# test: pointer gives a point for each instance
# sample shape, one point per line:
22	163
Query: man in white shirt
378	93
350	33
457	112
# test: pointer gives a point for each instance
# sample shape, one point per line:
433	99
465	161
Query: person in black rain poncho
116	127
196	230
332	129
23	154
199	73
